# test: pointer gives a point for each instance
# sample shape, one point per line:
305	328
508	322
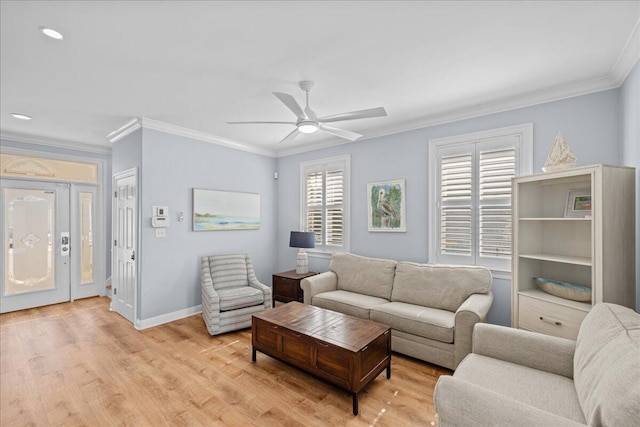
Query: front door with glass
36	244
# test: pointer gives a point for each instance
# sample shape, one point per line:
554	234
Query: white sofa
431	309
520	378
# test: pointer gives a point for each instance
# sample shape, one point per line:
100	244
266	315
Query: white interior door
124	270
36	244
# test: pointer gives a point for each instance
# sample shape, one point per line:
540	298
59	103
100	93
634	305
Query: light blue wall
630	102
106	179
590	124
169	274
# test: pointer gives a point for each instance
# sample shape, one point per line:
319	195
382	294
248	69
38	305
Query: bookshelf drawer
549	318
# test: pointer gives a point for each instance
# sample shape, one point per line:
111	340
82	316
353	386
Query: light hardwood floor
79	364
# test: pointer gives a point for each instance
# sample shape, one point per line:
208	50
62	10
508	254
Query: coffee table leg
389	371
253	354
355	403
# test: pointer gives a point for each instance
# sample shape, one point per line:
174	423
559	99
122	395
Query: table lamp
302	240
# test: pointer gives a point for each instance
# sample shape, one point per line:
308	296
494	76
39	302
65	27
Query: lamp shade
302	239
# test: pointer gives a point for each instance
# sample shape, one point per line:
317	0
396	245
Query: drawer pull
551	322
322	344
365	348
277	327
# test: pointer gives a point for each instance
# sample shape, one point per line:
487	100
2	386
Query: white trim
168	317
54	142
125	130
628	57
464	112
524	131
145	123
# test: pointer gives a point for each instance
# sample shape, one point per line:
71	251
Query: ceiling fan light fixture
307	126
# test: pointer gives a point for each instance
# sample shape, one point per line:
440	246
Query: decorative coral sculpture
560	157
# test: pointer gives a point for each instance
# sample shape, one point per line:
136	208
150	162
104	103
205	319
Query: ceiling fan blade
291	103
291	136
353	115
262	123
342	133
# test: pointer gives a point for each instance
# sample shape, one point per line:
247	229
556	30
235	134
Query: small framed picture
578	203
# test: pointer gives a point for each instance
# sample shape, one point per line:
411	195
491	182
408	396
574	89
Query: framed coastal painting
225	210
387	206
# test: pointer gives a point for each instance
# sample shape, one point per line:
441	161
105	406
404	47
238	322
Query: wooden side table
286	286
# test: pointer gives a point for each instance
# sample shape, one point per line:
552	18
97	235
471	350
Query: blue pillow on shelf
564	290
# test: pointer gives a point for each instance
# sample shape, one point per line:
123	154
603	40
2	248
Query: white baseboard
166	318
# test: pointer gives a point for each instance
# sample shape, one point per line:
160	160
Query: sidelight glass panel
29	237
86	237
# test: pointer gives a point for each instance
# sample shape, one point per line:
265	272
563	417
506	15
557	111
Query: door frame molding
114	215
100	251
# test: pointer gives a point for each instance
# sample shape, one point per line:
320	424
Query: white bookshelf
597	251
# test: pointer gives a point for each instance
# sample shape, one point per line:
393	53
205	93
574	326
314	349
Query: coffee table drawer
296	348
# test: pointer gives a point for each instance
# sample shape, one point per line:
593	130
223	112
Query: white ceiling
196	65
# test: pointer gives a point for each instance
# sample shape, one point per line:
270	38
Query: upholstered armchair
231	292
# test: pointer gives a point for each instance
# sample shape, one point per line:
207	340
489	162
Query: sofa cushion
425	322
240	297
347	302
228	271
543	390
438	286
367	276
606	366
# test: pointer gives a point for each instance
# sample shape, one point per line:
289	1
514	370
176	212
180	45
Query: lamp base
302	262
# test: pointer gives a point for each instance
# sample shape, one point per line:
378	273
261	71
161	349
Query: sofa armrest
323	282
537	351
472	311
461	403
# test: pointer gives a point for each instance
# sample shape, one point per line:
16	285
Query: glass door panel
86	237
29	232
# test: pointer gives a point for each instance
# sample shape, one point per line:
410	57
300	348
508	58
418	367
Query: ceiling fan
308	122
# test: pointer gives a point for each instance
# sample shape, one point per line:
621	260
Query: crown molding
146	123
125	130
628	57
462	112
54	142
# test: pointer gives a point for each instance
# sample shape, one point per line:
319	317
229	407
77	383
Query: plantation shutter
496	168
334	204
314	197
324	205
456	236
474	202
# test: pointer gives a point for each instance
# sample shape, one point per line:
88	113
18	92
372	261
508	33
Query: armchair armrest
323	282
266	290
472	311
461	403
537	351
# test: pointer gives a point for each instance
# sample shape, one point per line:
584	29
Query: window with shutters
325	202
470	195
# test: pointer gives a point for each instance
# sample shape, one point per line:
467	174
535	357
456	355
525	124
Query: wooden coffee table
343	350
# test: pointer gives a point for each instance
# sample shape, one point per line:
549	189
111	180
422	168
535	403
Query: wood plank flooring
78	364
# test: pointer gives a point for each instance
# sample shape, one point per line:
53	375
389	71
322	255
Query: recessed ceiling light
21	116
50	32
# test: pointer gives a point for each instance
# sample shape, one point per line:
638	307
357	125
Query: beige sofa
431	309
515	377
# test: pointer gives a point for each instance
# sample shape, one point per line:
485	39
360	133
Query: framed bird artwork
387	206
